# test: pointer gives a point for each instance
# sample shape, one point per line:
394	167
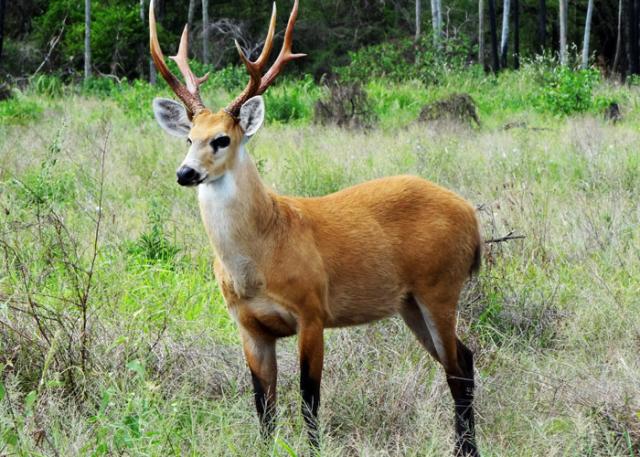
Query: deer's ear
172	117
252	115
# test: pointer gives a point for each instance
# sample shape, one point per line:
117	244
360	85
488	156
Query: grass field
114	339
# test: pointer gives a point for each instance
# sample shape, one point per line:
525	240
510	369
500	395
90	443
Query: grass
554	318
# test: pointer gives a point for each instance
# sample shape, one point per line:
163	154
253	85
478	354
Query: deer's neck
238	211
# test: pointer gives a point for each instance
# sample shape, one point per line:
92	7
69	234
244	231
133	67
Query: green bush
565	91
153	246
19	111
292	100
47	85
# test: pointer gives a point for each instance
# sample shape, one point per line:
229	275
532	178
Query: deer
296	266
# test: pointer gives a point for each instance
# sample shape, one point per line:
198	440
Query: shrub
565	91
153	246
346	105
47	85
291	100
19	111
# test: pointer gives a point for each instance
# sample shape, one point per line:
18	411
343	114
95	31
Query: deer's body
287	265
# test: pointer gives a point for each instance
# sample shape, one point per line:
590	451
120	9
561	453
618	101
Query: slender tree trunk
191	14
2	7
495	61
205	31
587	33
616	59
436	21
418	20
632	44
87	39
152	67
542	25
481	32
516	34
504	40
563	31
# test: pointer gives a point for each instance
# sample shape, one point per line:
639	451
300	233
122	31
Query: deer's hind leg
437	307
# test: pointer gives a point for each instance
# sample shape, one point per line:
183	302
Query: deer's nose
187	176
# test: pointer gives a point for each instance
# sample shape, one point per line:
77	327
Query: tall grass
553	318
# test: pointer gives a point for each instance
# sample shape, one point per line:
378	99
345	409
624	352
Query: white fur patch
435	336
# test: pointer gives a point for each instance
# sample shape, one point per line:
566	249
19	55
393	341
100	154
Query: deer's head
214	139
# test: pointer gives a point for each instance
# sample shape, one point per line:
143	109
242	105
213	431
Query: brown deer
288	265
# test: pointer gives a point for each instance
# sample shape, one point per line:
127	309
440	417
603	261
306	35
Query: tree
152	67
481	32
205	31
516	34
87	39
542	25
632	42
616	58
563	31
418	19
495	62
2	7
504	40
436	20
587	33
191	14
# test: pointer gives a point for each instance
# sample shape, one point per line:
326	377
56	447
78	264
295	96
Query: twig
508	237
54	43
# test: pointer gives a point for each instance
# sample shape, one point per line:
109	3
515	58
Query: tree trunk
205	31
542	25
436	21
587	33
2	7
87	39
418	20
516	34
191	14
616	59
481	32
495	61
632	43
152	67
504	40
563	32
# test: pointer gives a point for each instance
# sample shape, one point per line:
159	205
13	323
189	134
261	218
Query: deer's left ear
252	115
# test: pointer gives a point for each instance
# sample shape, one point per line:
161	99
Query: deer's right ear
172	117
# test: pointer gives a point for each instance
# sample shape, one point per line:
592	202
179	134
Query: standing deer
287	265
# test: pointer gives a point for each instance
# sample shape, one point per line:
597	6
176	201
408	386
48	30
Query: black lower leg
264	406
310	389
462	392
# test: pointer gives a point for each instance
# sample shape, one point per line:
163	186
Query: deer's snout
187	176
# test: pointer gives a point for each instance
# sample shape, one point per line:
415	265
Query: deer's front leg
260	353
311	349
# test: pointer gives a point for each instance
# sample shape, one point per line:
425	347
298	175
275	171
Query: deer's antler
257	83
189	94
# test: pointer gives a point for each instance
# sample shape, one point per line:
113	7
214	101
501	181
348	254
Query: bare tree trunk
516	34
87	39
587	33
616	59
205	31
152	67
563	32
2	7
632	42
191	14
504	40
495	60
436	21
481	32
542	25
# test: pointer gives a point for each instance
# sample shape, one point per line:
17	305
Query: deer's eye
220	143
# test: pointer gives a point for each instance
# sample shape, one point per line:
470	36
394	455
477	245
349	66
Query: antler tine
254	68
190	98
181	59
285	53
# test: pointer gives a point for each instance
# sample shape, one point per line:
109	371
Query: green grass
553	318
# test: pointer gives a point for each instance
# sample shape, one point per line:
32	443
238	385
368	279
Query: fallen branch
508	237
